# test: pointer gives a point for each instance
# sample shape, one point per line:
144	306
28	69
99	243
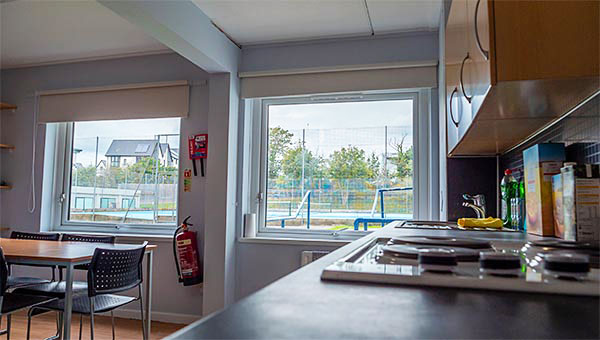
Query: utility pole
385	156
156	152
303	148
95	180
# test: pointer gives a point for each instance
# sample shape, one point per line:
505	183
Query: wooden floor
44	326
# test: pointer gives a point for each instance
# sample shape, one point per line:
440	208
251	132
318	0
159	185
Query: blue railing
305	199
366	221
379	194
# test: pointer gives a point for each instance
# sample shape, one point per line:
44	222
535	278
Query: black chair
58	289
13	302
90	239
20	281
35	236
111	271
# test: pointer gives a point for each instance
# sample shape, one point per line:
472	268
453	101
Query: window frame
420	99
63	153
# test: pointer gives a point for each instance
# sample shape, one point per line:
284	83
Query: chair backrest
35	236
115	270
3	273
88	238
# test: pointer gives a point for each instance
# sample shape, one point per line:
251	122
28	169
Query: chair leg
144	330
60	325
80	325
92	318
112	320
2	331
29	316
8	319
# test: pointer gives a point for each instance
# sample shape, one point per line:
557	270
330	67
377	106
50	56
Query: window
136	191
83	203
115	162
108	203
127	203
347	162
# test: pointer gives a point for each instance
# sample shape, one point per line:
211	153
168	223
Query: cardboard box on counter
581	202
540	163
557	206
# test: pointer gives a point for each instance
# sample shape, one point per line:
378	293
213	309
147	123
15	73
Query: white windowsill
124	237
294	241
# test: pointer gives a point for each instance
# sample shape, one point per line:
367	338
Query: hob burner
410	251
565	244
443	241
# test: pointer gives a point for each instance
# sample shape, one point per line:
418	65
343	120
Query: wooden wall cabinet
517	66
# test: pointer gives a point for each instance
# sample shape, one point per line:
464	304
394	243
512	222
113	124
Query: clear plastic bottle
508	189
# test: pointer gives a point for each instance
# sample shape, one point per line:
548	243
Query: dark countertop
300	305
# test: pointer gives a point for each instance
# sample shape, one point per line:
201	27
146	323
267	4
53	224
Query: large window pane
329	164
125	172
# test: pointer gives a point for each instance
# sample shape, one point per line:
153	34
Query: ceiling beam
184	28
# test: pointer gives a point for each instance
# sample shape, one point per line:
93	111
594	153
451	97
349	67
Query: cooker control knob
566	265
503	264
437	260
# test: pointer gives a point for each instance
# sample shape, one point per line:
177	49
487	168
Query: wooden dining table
68	255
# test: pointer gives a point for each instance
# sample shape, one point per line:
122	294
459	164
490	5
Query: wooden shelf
6	106
7	146
5	187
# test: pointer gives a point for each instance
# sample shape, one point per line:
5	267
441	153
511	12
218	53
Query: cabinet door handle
462	84
456	122
486	54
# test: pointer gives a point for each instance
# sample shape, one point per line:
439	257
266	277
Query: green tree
292	164
84	177
146	167
348	162
403	160
280	141
374	166
344	165
113	176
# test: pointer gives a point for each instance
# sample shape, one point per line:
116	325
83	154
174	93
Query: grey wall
405	47
171	301
259	264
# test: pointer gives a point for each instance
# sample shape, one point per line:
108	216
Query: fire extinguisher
185	251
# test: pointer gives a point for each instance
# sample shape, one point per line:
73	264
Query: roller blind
133	101
386	78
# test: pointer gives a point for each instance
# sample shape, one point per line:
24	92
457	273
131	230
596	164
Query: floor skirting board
158	316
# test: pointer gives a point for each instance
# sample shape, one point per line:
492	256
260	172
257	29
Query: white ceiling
35	32
262	21
40	32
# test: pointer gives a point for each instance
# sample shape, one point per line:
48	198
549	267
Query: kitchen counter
301	305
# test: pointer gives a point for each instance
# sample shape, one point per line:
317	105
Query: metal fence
345	195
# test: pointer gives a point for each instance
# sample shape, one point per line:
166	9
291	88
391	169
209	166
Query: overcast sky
86	132
331	126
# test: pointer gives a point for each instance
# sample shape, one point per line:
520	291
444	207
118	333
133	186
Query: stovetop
440	225
502	263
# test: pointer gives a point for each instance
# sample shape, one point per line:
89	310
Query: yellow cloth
489	222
